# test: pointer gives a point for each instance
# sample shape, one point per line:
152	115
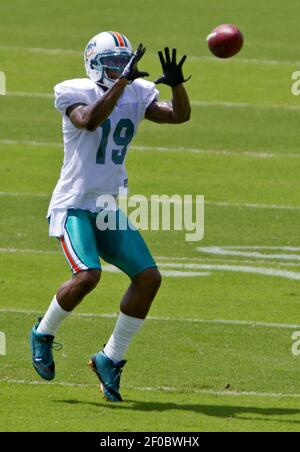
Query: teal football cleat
42	357
109	375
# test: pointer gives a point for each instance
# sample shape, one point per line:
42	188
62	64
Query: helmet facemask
110	65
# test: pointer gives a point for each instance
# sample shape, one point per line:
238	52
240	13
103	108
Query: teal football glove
131	71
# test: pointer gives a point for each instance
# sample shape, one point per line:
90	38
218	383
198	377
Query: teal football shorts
84	244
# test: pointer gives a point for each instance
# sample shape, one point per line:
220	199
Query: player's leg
72	292
141	292
80	249
127	251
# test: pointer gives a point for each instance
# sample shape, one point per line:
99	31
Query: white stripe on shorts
73	254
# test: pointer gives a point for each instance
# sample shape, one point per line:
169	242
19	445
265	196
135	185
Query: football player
100	116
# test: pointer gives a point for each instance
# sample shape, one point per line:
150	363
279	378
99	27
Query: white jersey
94	162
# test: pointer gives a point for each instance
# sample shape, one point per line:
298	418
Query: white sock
52	319
121	337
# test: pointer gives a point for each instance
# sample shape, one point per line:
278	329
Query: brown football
225	41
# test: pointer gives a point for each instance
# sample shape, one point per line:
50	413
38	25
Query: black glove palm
172	71
131	71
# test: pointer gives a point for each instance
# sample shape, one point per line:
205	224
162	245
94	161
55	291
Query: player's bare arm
175	112
179	109
91	116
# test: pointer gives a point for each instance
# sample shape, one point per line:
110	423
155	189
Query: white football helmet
106	52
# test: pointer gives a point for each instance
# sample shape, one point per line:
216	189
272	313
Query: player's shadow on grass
221	411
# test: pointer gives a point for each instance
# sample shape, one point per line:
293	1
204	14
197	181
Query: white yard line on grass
226	104
219	152
248	323
43	50
30	94
262	247
251	205
222	393
226	251
194	103
209	203
79	53
34	143
22	194
144	148
286	274
27	251
254	61
111	269
189	269
182	274
187	260
160	258
225	260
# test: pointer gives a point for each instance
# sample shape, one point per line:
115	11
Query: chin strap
102	86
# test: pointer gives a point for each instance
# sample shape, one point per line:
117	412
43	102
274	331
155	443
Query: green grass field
215	354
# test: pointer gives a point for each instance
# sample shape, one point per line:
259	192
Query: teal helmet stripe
125	40
115	39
